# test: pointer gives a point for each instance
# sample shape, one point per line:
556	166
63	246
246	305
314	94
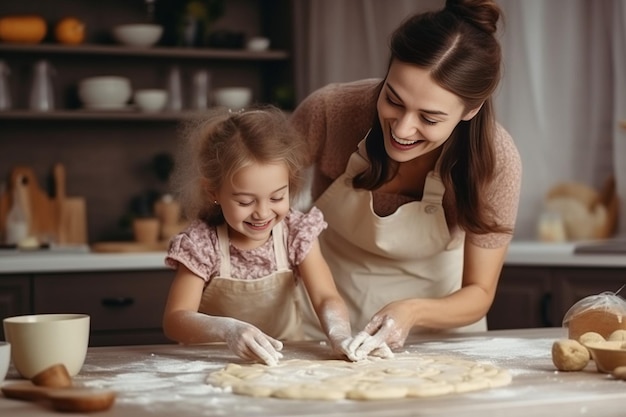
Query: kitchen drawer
116	301
14	297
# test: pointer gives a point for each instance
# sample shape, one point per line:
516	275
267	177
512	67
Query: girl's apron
269	302
376	260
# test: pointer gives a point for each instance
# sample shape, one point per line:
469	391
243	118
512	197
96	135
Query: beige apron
376	260
269	302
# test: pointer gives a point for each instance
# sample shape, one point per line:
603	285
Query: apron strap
224	243
433	189
280	247
280	252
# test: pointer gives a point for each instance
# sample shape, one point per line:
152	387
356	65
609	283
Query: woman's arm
183	323
467	305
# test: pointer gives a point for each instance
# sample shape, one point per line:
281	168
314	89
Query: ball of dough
620	372
591	337
617	336
569	355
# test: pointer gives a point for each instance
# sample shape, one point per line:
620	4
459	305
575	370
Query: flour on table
406	375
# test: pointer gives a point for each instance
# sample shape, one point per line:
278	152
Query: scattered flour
173	383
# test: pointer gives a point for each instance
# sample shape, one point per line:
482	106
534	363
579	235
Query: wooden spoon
62	399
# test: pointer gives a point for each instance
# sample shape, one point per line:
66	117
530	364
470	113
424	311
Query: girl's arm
328	304
183	323
330	308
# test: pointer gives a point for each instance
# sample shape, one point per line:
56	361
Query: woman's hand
247	341
388	328
363	345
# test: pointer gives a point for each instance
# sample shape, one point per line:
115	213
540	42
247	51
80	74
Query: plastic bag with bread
602	313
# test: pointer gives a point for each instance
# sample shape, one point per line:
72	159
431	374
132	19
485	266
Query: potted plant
195	20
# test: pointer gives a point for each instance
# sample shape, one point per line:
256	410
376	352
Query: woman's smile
405	142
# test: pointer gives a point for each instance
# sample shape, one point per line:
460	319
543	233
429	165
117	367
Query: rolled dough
406	375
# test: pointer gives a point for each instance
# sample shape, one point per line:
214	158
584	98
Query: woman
418	183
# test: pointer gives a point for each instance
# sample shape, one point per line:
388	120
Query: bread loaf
599	320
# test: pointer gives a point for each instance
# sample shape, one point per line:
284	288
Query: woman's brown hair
458	47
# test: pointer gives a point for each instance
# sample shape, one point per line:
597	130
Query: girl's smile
253	202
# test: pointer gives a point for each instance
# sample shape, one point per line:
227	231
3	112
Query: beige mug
146	230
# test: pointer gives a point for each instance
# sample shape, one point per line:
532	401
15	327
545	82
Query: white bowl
233	97
41	340
137	34
5	359
258	43
104	92
150	100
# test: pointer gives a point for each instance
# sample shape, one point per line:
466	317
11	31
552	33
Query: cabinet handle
546	317
118	301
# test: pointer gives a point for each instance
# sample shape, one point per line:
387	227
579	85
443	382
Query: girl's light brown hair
218	144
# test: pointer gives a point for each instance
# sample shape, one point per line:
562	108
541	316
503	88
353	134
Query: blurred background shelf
109	154
157	52
86	114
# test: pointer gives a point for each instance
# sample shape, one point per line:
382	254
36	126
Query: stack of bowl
150	99
104	92
138	34
235	98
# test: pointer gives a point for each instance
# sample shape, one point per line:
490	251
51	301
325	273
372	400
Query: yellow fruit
70	31
23	28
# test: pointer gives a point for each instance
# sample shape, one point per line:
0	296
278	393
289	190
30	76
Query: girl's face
254	201
416	114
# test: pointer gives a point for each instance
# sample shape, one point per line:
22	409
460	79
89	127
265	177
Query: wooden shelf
156	52
85	114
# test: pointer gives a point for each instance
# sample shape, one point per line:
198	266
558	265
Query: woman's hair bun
484	14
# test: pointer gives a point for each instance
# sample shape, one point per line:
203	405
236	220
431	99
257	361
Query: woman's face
253	203
416	114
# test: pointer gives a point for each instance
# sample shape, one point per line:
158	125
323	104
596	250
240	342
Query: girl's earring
216	203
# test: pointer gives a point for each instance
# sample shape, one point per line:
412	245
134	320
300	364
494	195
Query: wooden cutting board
117	247
71	221
41	210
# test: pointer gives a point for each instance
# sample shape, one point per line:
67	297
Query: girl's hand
248	342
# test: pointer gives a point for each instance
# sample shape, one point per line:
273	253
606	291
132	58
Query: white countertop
520	253
44	261
169	380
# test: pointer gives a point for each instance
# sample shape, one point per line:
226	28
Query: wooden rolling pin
71	399
54	385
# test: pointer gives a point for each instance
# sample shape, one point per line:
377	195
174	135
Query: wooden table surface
168	380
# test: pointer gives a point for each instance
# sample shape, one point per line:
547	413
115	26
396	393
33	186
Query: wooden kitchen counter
168	380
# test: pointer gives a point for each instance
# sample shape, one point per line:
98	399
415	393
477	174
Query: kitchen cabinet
108	154
539	296
14	297
523	299
126	307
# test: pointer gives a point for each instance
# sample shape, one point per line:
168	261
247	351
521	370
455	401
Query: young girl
245	251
